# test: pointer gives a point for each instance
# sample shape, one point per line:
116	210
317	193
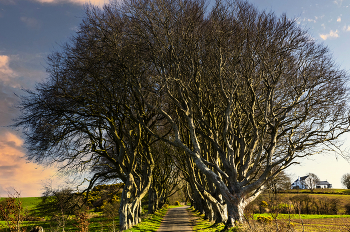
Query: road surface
176	219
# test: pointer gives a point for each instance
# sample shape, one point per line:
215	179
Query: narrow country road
176	219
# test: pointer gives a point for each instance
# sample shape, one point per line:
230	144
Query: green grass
28	203
320	191
204	225
151	222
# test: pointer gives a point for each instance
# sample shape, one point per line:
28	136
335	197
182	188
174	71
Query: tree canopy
236	93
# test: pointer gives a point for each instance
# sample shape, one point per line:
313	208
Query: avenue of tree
154	92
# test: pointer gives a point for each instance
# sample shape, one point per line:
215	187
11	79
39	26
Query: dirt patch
322	224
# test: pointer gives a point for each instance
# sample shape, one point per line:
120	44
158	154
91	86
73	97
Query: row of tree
151	91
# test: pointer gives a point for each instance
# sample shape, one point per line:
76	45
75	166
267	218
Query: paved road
176	219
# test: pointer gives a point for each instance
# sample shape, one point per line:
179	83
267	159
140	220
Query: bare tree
243	92
311	181
345	180
256	87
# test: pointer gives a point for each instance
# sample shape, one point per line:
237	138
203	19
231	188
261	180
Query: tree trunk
235	211
130	204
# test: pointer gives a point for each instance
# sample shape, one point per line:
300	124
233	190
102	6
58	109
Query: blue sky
32	29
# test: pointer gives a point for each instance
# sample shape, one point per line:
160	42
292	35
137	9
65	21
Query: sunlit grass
151	222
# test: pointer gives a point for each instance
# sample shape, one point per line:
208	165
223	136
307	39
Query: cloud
339	19
31	22
311	20
338	2
332	34
16	172
6	73
346	28
79	2
21	71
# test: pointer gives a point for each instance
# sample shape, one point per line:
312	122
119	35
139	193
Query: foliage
82	220
264	219
345	180
12	212
101	195
110	211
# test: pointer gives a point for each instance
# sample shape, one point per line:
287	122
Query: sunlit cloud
6	73
16	172
331	34
339	19
79	2
346	28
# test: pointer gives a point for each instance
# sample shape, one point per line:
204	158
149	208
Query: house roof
323	183
303	177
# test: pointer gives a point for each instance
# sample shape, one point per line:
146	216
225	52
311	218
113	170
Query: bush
165	206
347	208
264	219
177	203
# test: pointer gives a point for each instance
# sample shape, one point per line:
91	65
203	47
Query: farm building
303	183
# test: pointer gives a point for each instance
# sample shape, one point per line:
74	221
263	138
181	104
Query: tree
311	181
345	180
84	117
241	93
255	89
281	182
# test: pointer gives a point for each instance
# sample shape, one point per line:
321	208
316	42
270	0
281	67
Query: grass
303	216
320	191
311	223
150	222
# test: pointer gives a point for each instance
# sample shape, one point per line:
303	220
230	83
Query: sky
30	30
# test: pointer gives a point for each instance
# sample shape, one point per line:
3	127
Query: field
285	222
150	222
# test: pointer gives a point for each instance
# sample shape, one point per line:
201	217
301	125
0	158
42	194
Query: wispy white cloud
322	25
338	2
79	2
339	19
331	34
311	20
346	28
31	22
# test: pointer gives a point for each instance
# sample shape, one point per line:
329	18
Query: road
176	219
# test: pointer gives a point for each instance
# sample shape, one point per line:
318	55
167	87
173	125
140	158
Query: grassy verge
200	224
151	222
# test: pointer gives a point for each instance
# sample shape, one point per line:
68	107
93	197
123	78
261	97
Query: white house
300	183
303	183
323	184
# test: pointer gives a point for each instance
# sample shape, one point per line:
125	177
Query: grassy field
319	191
285	222
98	223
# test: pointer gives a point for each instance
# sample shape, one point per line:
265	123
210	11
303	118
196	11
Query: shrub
165	206
347	208
12	212
264	219
177	203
